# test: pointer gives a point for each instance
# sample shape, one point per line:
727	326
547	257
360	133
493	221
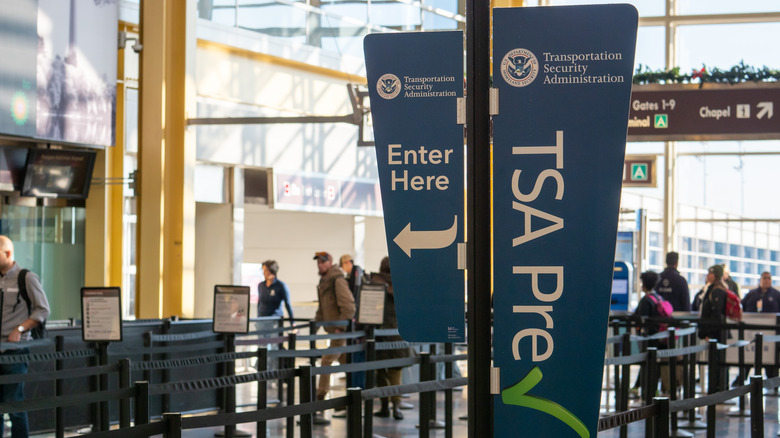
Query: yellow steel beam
166	239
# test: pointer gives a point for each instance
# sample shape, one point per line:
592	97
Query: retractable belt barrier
170	352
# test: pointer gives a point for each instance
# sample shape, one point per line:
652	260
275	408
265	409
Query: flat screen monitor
55	173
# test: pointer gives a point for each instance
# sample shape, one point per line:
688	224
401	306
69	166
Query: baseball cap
322	256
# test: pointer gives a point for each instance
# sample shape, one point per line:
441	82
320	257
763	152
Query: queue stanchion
434	373
616	369
675	431
350	342
103	385
165	373
650	386
661	417
756	406
124	383
147	357
285	363
262	389
741	411
712	384
94	386
689	388
313	346
172	425
354	413
59	364
141	405
425	416
625	381
290	389
305	396
759	355
230	391
368	424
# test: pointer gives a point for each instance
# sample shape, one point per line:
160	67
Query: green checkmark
517	395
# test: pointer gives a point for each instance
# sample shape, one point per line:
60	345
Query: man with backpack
24	308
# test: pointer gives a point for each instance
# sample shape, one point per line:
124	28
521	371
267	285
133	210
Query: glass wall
50	242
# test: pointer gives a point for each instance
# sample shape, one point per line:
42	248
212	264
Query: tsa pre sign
414	81
564	81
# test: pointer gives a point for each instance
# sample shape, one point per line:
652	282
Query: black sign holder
101	323
230	316
480	402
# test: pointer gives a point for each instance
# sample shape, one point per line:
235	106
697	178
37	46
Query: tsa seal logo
388	86
519	67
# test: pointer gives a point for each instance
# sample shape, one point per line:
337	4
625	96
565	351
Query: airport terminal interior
162	148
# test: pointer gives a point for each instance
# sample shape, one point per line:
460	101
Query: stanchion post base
737	413
434	424
695	425
236	433
680	434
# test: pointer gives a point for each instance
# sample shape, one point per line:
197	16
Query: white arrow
767	109
408	240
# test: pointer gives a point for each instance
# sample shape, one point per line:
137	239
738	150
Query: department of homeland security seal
388	86
519	67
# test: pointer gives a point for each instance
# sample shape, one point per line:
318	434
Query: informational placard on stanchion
101	314
231	309
371	309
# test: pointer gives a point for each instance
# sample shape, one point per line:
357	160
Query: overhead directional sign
716	112
639	171
415	80
564	83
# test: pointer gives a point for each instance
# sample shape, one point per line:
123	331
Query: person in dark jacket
763	299
335	303
389	376
712	309
353	272
672	286
272	293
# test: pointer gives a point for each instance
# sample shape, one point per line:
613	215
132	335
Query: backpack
733	306
663	307
39	331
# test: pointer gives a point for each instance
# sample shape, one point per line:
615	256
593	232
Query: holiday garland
737	74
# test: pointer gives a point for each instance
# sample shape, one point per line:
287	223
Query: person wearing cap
353	272
336	303
713	304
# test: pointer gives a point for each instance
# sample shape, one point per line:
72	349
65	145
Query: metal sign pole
480	404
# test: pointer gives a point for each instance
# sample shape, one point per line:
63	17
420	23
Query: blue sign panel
621	287
415	80
564	81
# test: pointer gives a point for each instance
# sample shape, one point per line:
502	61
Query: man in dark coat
672	286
